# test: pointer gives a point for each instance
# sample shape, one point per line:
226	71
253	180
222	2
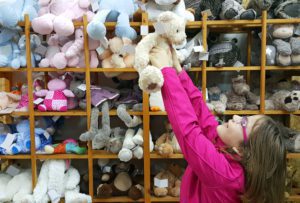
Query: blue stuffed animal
9	50
119	11
35	42
12	11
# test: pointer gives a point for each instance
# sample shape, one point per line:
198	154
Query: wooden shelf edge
116	199
56	113
102	154
283	68
52	69
133	113
293	155
100	69
164	199
61	156
154	155
10	69
295	198
18	156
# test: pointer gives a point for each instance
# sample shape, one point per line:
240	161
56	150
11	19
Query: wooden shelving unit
218	25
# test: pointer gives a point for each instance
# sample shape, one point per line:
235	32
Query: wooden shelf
158	113
283	21
18	156
295	198
56	113
154	155
19	113
80	23
102	154
283	68
116	199
254	68
60	156
280	112
56	70
133	113
293	155
9	69
112	70
164	199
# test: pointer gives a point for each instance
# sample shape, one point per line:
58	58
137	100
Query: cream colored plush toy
170	29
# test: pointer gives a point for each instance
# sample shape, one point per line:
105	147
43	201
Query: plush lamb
155	7
172	32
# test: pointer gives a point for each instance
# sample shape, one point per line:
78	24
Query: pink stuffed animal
58	15
55	97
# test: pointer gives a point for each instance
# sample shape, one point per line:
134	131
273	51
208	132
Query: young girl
253	171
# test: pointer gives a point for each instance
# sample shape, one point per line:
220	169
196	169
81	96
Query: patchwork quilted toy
55	97
68	146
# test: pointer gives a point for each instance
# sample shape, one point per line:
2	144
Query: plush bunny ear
166	17
35	40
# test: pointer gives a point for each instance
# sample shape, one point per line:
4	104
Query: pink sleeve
207	121
210	166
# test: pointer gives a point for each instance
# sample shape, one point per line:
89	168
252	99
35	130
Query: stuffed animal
282	31
113	11
150	77
167	143
155	7
283	52
295	46
261	5
57	180
123	181
232	9
156	101
8	102
286	9
60	16
284	100
215	8
23	103
240	98
292	140
13	11
35	42
217	100
67	147
120	54
12	190
55	97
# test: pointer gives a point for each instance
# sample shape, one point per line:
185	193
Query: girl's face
231	133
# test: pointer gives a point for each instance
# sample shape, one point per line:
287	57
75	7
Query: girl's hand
161	58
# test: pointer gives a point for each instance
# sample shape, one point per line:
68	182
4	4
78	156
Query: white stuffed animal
155	7
172	32
156	101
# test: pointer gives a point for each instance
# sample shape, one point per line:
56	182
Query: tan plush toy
167	143
120	54
8	102
170	29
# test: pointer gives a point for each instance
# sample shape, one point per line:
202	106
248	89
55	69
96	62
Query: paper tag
53	196
208	11
100	50
161	183
13	170
268	51
203	56
38	101
47	135
297	30
55	118
238	64
128	49
41	50
144	30
198	49
206	94
259	34
8	141
82	87
95	5
159	28
106	169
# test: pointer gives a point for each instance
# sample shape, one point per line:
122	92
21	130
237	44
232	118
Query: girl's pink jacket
211	176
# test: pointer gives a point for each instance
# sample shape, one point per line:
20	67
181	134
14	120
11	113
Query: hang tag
106	169
297	30
128	49
161	183
8	141
159	28
47	135
238	64
144	30
55	118
54	196
100	50
198	49
82	87
41	50
95	5
38	101
203	56
13	170
208	11
206	94
260	34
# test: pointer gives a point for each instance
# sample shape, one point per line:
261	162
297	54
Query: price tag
100	50
55	118
95	5
259	34
203	56
82	87
206	94
198	49
106	169
38	101
41	50
238	64
13	170
54	196
159	28
144	30
161	183
8	141
208	11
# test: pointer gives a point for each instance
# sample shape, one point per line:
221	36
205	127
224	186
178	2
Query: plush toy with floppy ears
172	32
55	97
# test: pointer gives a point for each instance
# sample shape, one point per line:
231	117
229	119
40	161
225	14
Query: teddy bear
60	16
240	97
167	143
72	53
232	9
121	179
155	7
13	11
113	11
120	54
284	100
66	147
287	53
58	179
150	77
8	102
12	190
217	100
55	97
